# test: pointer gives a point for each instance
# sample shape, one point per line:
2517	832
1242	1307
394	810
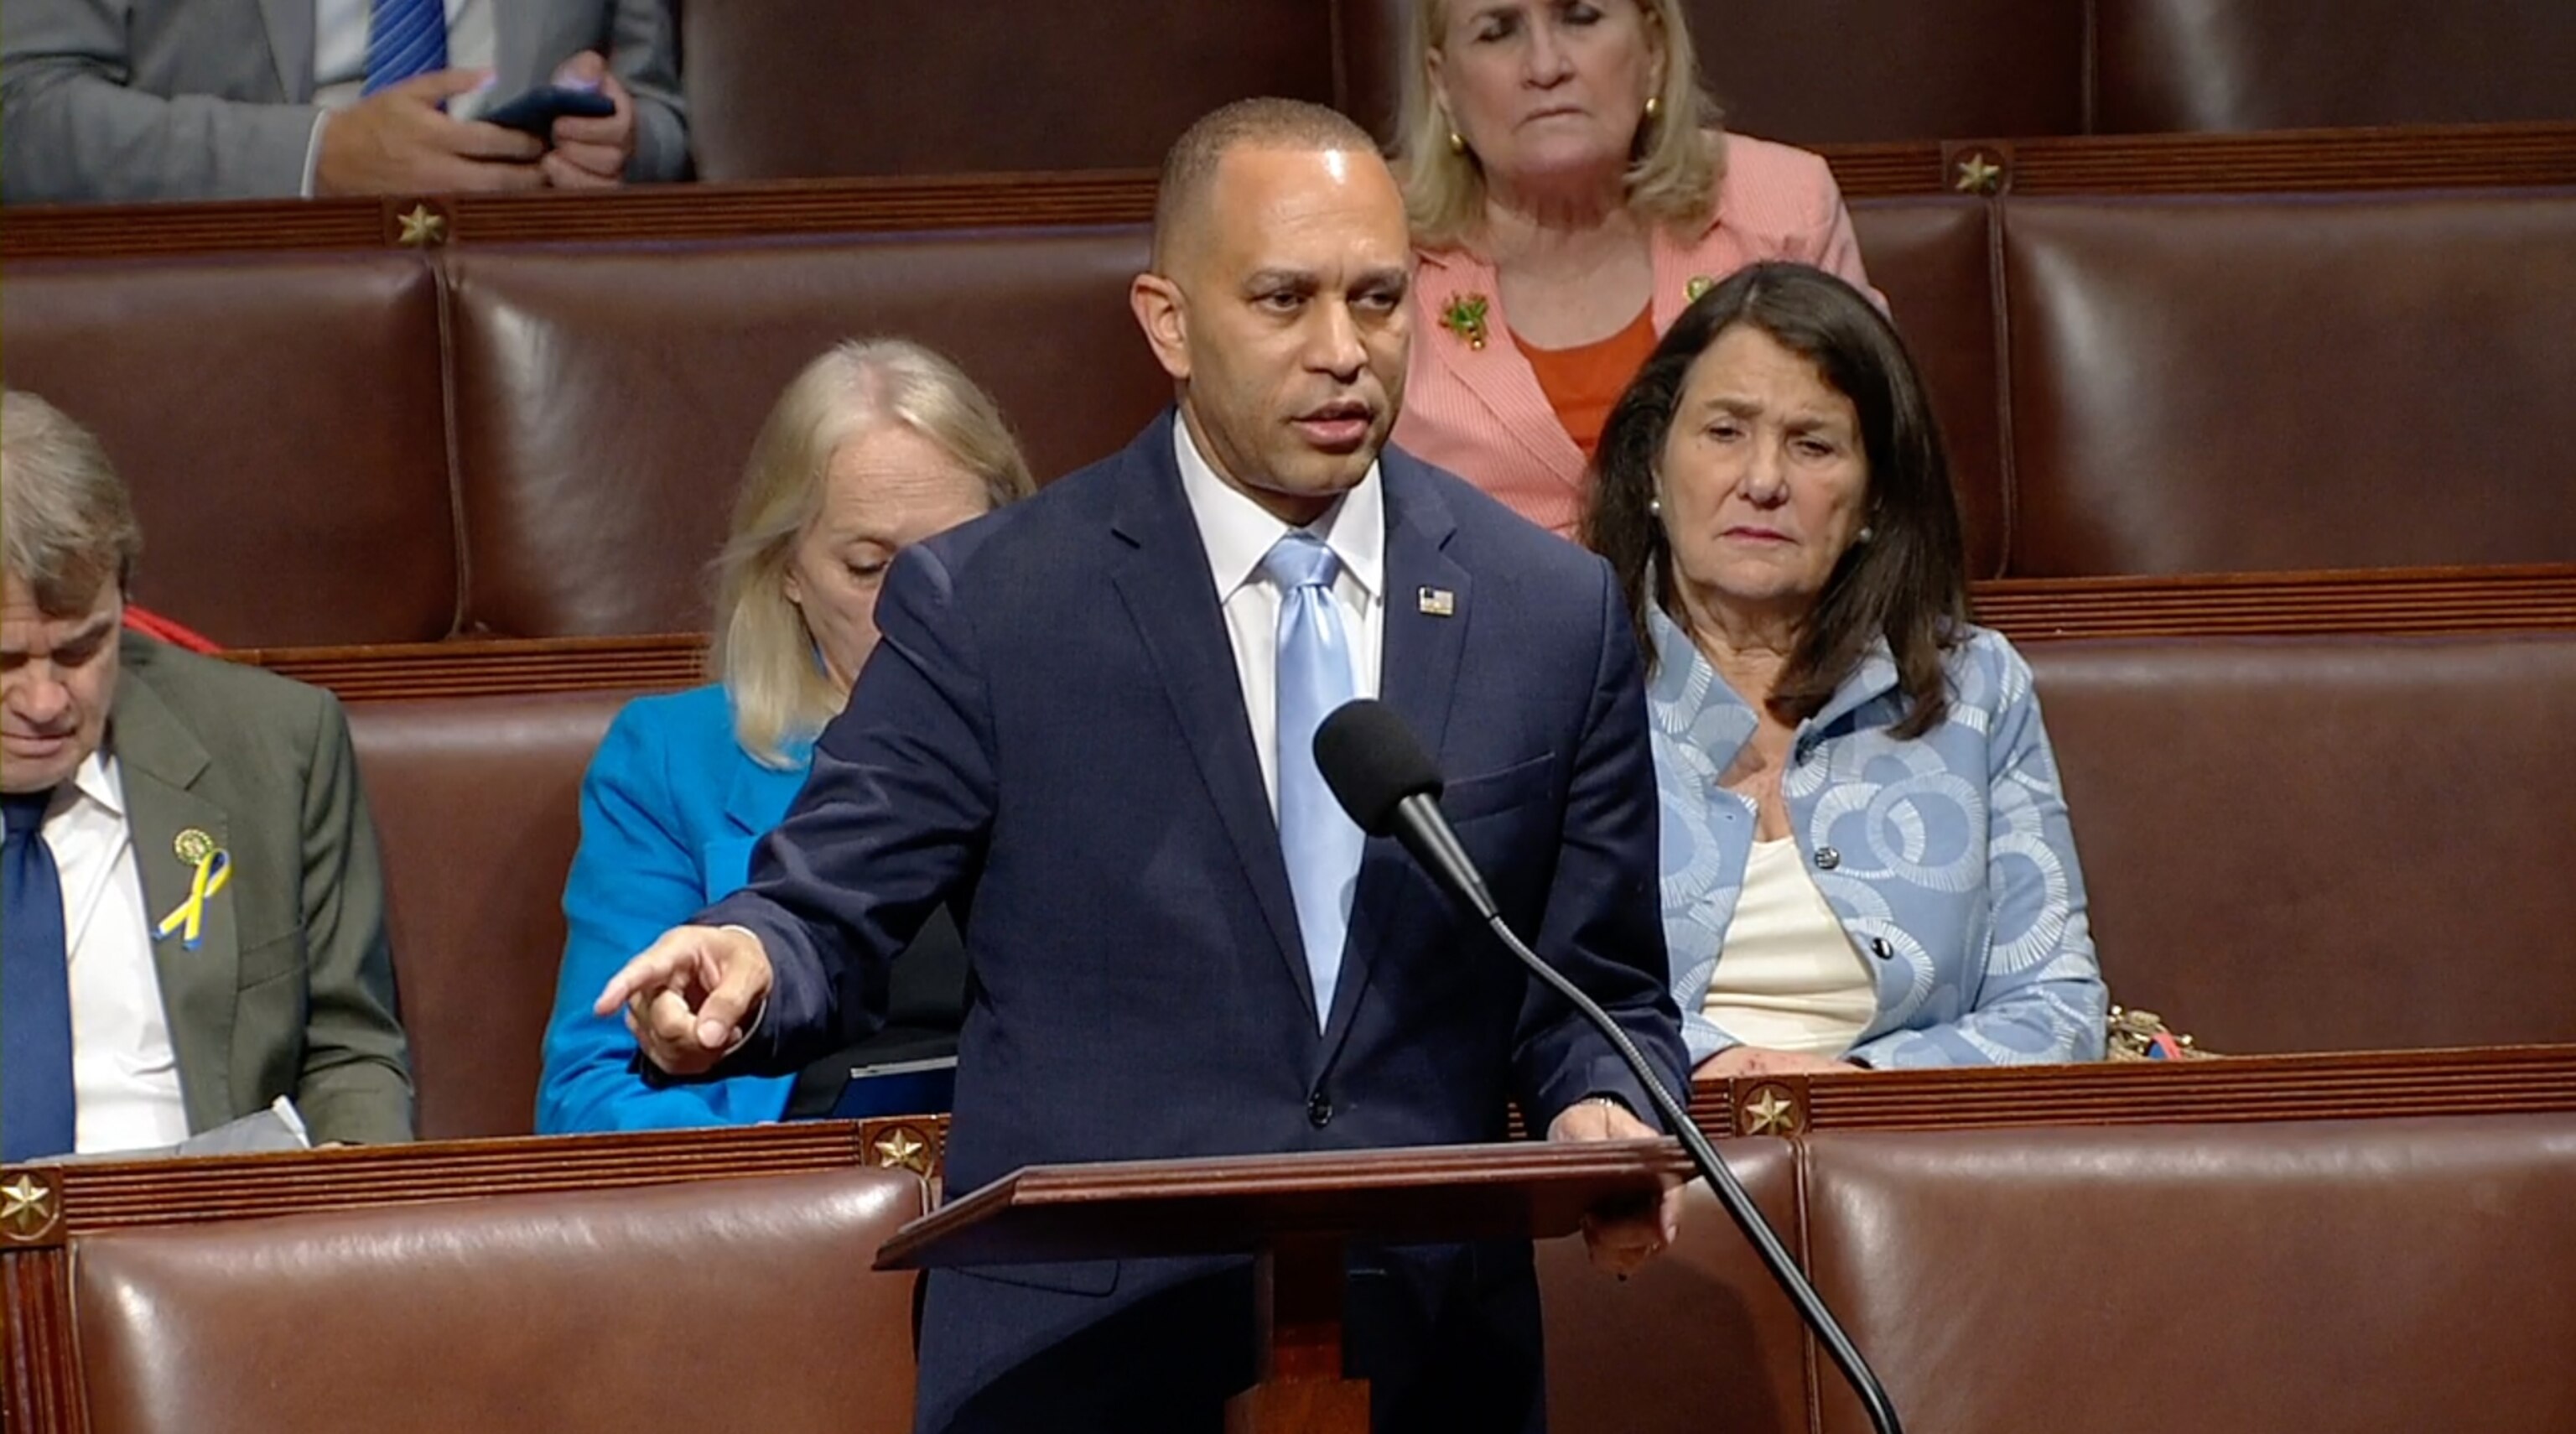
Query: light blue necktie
1319	840
405	40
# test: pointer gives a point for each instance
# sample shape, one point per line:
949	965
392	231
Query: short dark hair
1908	583
1261	122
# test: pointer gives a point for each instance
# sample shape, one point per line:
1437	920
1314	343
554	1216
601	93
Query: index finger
650	970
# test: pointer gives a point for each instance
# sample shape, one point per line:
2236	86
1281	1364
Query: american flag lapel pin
1438	602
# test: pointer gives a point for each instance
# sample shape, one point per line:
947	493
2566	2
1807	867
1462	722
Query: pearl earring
1866	533
1655	507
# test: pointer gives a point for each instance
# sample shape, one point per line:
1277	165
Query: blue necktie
1319	840
36	1111
405	40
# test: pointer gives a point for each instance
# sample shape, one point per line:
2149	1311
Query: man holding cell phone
126	100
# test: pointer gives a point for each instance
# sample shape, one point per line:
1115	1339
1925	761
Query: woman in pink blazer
1563	166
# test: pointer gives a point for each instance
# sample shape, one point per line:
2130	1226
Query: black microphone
1391	787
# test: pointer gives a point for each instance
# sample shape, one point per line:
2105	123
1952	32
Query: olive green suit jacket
289	990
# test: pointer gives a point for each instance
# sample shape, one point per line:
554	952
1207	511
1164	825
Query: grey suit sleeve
644	53
73	128
356	1083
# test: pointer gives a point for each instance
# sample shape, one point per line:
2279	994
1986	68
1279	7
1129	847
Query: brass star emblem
423	226
1770	1111
1978	174
902	1148
26	1207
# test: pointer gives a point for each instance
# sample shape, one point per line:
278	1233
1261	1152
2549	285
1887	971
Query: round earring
1655	507
1865	534
1457	142
1654	107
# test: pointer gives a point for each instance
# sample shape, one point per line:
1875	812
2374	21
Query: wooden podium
1297	1215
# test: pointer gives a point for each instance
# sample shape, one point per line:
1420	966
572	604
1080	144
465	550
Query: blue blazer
1052	731
670	810
1947	856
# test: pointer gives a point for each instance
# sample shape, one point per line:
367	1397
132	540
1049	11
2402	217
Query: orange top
1583	383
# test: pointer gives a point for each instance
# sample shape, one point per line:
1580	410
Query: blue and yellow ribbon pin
214	867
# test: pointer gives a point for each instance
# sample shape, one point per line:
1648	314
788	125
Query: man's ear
1160	312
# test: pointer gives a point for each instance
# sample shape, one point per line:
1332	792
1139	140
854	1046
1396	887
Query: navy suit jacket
1051	735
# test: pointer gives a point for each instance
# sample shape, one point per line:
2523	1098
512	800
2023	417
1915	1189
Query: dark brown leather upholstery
1933	258
592	1313
1825	70
478	804
776	90
606	398
2252	384
282	427
1699	1340
2327	844
2369	1277
1832	70
2292	64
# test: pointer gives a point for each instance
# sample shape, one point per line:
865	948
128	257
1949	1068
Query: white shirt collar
97	780
1238	532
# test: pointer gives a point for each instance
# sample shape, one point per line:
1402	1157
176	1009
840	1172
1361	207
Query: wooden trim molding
492	667
2367	1085
2385	602
2425	156
2390	602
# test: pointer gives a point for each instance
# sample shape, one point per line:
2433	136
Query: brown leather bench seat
2370	1276
2264	383
2290	844
771	92
601	1312
477	804
281	422
2373	1276
543	440
2328	843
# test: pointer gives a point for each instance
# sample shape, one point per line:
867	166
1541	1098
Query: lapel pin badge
1465	317
1438	602
213	870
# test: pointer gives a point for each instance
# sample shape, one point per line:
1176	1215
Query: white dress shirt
125	1074
340	61
1238	533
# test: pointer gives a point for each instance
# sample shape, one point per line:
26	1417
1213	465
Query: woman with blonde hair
877	445
1571	193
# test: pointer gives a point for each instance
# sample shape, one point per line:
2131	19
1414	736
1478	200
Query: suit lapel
1418	678
1496	374
160	763
290	46
1162	578
514	48
756	801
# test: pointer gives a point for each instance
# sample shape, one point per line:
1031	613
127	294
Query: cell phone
536	111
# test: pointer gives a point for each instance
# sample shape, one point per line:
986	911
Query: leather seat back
593	1313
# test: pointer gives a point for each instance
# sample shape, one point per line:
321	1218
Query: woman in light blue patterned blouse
1867	860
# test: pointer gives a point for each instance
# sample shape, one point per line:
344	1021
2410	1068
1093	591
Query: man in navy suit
1083	729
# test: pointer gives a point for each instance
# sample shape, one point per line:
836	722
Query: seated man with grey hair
195	919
